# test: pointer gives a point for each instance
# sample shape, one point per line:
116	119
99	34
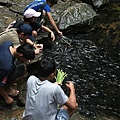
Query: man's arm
36	46
50	31
71	103
53	23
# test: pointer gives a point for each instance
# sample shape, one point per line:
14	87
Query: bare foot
12	92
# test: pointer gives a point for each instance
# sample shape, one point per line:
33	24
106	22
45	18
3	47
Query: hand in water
39	46
60	33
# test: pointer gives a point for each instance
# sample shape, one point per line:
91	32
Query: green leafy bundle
60	76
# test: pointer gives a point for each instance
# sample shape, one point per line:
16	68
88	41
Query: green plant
60	76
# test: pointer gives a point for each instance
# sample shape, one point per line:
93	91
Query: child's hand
60	76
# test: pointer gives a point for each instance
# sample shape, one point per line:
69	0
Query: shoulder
7	43
31	78
47	8
18	24
57	88
5	48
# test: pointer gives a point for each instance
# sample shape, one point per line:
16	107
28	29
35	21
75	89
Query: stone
80	13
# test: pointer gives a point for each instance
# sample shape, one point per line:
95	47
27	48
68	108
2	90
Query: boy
43	96
9	72
37	4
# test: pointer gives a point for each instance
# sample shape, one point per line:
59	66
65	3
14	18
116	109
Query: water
92	62
94	72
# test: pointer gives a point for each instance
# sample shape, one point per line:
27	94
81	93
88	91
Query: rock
77	116
5	4
76	15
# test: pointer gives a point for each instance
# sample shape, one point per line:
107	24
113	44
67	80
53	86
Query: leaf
60	76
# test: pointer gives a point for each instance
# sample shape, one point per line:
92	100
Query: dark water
94	68
95	75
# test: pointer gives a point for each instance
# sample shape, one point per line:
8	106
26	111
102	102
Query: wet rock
109	29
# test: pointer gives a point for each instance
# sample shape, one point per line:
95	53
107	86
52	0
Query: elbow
71	105
74	106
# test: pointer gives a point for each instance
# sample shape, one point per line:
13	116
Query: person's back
11	35
18	23
17	36
44	94
36	5
6	62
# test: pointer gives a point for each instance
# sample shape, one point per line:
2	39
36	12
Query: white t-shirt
42	99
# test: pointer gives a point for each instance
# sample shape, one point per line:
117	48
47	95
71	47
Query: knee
34	33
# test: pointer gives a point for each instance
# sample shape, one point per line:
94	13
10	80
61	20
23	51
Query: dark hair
19	30
27	50
27	19
53	1
46	67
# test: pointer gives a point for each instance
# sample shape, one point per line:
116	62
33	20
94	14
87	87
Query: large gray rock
79	13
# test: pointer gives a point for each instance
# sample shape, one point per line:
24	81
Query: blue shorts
62	115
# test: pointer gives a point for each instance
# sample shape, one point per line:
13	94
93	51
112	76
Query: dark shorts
19	71
62	115
36	26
